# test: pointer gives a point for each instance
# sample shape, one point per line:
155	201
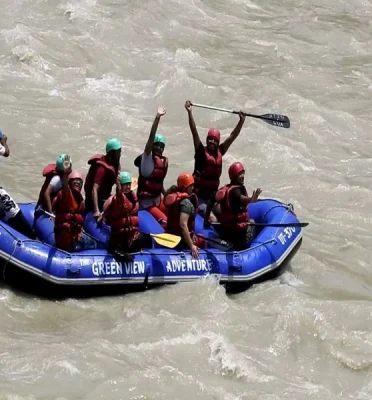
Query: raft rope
288	206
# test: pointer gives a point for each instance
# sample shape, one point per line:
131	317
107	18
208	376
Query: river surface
75	73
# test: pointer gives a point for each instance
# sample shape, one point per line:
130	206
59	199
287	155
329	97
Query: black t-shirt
234	198
200	159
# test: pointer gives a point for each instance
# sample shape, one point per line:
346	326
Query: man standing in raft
182	205
234	200
9	209
121	214
153	168
68	206
101	177
208	159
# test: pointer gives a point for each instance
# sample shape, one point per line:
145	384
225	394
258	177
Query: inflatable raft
270	250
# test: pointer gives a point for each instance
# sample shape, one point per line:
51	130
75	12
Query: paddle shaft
289	224
274	119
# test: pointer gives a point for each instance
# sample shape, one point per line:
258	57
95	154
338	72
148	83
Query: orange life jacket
122	216
48	172
107	184
231	219
208	180
172	202
68	226
152	186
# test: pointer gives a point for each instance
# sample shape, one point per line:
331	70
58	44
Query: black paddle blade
277	120
273	119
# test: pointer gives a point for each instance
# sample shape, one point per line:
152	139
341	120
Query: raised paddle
273	119
163	239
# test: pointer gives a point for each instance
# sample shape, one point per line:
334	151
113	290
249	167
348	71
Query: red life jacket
172	202
208	180
230	219
48	172
107	184
152	186
123	217
69	220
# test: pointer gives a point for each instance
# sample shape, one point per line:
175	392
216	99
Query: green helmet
113	144
125	178
159	138
59	162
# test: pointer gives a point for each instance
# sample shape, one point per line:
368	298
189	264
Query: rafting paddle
289	224
273	119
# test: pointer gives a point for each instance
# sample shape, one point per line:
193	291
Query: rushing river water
75	73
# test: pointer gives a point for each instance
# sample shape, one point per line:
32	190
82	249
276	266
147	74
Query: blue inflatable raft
270	250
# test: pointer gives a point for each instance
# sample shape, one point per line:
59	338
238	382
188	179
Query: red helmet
214	133
75	175
235	169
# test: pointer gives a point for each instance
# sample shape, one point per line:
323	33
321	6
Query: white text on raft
189	265
117	268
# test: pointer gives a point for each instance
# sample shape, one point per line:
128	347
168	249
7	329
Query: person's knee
160	217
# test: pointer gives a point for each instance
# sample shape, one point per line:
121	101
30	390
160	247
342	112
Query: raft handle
235	268
70	273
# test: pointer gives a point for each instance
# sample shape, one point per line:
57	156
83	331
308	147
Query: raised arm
194	132
161	111
245	200
67	166
234	134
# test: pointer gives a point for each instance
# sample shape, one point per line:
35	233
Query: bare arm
194	132
155	124
234	134
47	199
245	200
95	197
184	218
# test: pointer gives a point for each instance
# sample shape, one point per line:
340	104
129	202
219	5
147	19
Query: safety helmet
59	162
113	144
75	175
185	180
125	177
214	133
159	138
235	169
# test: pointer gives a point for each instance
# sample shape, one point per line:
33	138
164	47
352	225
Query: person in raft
53	174
68	207
182	206
208	160
120	212
233	199
153	168
101	177
10	212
